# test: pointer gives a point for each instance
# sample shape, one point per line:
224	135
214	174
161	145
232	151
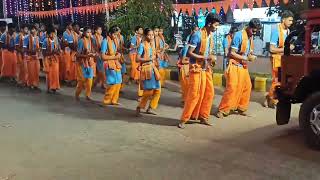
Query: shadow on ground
287	140
66	105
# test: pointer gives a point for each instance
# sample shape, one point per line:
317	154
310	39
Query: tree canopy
295	6
145	13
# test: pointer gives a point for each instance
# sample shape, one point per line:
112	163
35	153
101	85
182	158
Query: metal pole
107	10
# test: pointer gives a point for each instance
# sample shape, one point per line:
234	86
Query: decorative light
9	8
81	14
5	13
15	8
42	5
76	13
61	6
87	15
56	5
93	19
25	9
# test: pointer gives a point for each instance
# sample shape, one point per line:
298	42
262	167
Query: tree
296	7
146	13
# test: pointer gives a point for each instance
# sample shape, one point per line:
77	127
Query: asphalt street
53	137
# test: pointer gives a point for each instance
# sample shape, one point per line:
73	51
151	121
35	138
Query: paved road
52	137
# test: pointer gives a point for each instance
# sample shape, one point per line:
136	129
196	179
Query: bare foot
89	99
138	112
182	125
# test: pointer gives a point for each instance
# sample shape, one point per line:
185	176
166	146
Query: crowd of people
85	59
95	57
198	58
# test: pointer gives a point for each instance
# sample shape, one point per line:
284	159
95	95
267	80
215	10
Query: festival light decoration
87	16
81	14
225	4
76	10
90	7
92	16
5	11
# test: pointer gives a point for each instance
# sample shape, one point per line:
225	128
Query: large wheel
309	119
283	112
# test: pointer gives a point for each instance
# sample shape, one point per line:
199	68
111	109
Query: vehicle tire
309	119
283	112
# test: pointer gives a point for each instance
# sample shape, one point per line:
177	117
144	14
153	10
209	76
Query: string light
76	13
93	19
87	15
19	9
25	9
16	7
32	4
5	13
56	5
42	5
81	14
9	8
60	6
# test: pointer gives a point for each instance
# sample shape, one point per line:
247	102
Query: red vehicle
300	79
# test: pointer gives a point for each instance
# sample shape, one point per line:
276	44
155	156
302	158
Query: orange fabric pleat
52	72
33	66
238	82
9	64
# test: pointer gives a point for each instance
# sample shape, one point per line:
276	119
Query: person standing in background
150	76
51	53
97	39
226	46
163	57
121	48
21	61
69	41
236	97
85	59
9	64
278	37
42	37
134	45
200	88
3	28
183	65
111	58
31	46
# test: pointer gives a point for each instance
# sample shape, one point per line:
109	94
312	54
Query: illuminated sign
245	15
